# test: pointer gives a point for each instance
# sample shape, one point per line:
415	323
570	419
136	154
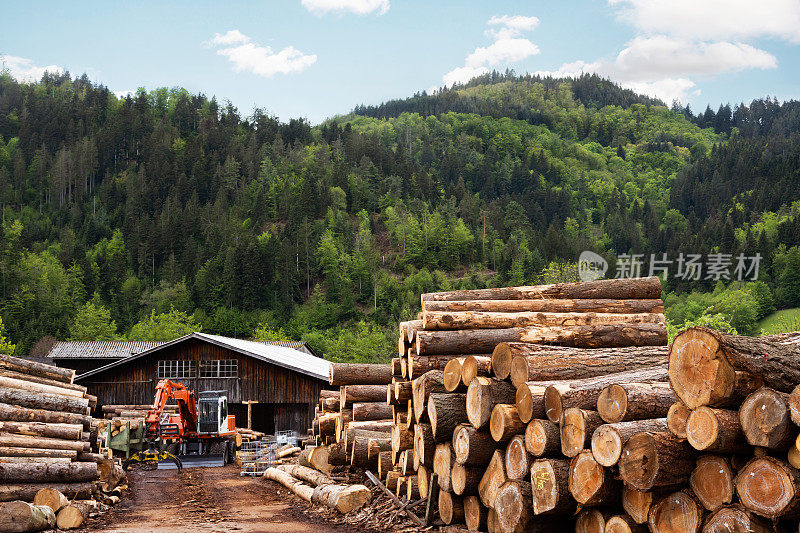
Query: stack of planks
47	439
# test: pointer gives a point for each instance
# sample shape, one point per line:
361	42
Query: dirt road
209	500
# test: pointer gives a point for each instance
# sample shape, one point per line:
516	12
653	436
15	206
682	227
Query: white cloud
502	51
708	20
123	94
261	60
24	69
511	26
359	7
667	90
462	75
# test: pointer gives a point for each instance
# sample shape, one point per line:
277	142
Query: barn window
226	368
175	369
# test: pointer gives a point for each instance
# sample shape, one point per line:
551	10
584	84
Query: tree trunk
51	498
465	479
677	418
452	374
550	486
475	513
24	441
513	506
371	411
769	488
47	472
40	388
385	464
635	401
445	412
537	362
360	455
609	439
58	385
518	460
27	491
766	421
677	508
590	484
402	438
505	422
354	433
615	289
734	518
529	399
712	481
473	447
402	391
412	327
483	394
32	368
596	305
419	365
32	453
443	461
703	362
584	393
451	508
49	402
359	374
75	514
330	404
422	387
463	320
493	478
655	459
424	445
362	393
406	463
474	366
576	428
13	413
23	517
715	430
391	480
542	438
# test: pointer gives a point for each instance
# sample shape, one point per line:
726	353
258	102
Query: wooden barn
281	384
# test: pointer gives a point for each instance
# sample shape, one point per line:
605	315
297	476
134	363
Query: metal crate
257	455
286	437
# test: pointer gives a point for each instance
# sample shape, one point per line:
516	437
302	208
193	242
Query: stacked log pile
48	440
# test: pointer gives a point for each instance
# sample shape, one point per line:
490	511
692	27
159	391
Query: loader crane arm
187	407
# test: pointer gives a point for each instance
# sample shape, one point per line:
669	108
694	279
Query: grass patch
781	321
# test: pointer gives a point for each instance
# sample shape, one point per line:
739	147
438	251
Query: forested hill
166	211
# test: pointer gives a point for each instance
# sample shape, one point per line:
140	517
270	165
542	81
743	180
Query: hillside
116	211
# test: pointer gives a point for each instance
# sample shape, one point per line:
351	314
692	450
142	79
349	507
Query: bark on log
465	479
49	402
47	472
13	413
483	394
412	327
327	424
362	393
589	483
518	460
677	510
352	434
12	451
424	445
529	399
581	305
542	438
576	429
769	488
451	508
550	487
513	506
443	461
422	387
445	412
474	366
656	459
371	411
75	514
635	401
51	498
537	362
712	481
402	438
25	441
22	517
59	385
616	289
423	479
677	418
609	439
402	391
360	455
451	374
475	513
766	421
412	488
391	480
493	478
505	422
703	363
715	430
33	368
397	367
419	365
359	373
27	491
29	386
464	320
473	447
735	519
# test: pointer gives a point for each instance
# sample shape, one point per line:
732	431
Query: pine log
505	422
354	433
33	459
371	411
518	460
359	373
419	365
592	305
474	366
766	421
32	368
343	498
330	404
715	430
513	506
492	525
25	441
703	364
483	394
412	488
542	438
402	391
595	336
47	472
584	393
623	524
529	399
615	289
443	461
475	513
589	483
451	374
49	402
576	428
397	362
769	487
75	514
473	447
385	464
793	456
424	479
406	463
337	454
39	388
360	454
655	459
327	423
402	438
451	508
391	480
27	491
412	326
493	478
23	517
424	445
736	519
51	498
345	417
13	451
678	511
44	381
422	387
550	486
466	320
621	402
591	520
712	481
320	459
678	418
465	479
13	413
536	362
445	412
609	439
637	503
362	393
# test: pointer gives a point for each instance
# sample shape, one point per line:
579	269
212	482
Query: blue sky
318	58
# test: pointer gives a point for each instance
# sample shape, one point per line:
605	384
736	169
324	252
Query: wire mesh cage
256	455
288	436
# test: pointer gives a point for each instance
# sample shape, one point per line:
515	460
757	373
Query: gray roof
100	349
282	356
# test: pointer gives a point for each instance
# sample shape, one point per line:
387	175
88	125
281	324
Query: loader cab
212	412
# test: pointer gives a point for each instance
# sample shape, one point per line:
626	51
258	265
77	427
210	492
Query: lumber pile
49	442
112	411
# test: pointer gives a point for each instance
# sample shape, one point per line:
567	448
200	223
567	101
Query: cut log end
699	373
677	418
712	481
768	487
676	512
588	481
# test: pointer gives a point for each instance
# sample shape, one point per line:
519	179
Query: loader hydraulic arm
187	406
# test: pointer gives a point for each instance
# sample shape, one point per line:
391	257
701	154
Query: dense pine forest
164	212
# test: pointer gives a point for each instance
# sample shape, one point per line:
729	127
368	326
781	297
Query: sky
319	58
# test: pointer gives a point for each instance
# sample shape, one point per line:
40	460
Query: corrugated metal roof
99	349
282	356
